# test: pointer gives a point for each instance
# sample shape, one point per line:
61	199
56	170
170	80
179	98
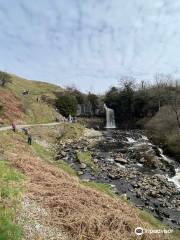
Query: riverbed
134	167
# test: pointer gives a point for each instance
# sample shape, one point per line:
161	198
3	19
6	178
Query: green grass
5	142
48	155
35	112
85	157
35	87
103	187
10	192
7	173
70	131
42	152
148	217
156	223
66	168
40	112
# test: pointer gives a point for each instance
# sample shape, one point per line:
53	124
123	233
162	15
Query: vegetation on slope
163	130
86	158
34	107
83	212
10	192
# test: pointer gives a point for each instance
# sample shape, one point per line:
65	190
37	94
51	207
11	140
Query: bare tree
161	81
127	81
173	94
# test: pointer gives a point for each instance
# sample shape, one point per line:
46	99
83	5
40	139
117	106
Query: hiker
29	139
13	127
74	119
25	130
70	119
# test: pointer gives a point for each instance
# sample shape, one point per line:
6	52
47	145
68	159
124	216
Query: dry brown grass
83	212
12	107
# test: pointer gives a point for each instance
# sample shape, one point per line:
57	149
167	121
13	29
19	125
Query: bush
67	105
4	78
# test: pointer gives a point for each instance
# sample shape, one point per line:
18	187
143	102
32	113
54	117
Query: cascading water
110	119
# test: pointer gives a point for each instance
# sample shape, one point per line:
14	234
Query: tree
161	83
67	105
4	78
93	100
76	93
127	82
174	99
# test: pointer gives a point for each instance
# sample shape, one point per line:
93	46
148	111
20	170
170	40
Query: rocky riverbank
132	165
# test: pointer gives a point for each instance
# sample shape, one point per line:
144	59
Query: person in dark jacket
29	139
13	127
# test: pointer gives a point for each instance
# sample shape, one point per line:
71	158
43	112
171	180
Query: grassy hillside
163	130
25	108
83	211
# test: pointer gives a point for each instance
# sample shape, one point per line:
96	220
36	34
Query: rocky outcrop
135	167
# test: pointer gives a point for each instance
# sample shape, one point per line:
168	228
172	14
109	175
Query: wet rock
160	177
142	160
58	157
121	160
83	166
63	153
153	193
113	176
166	214
147	184
80	173
95	160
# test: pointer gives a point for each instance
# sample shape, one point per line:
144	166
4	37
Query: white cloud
89	42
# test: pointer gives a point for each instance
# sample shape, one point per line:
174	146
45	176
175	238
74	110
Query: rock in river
121	160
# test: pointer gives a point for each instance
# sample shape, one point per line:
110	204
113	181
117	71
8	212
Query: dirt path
30	125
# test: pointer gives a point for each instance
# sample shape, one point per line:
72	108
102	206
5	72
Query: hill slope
30	108
57	203
42	198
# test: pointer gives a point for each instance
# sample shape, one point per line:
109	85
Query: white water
131	140
144	138
164	157
110	119
176	178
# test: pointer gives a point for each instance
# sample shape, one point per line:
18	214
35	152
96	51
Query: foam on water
131	140
176	178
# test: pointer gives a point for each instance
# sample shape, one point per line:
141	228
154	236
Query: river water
135	168
176	177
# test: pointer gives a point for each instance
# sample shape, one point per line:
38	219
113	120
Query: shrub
67	105
4	78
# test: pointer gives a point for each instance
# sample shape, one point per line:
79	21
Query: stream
134	167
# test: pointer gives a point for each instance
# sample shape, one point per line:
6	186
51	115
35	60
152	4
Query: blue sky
89	43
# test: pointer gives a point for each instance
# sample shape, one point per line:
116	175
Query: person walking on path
13	127
29	139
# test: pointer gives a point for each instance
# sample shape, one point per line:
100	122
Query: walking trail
29	125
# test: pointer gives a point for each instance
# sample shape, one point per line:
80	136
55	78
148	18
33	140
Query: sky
89	44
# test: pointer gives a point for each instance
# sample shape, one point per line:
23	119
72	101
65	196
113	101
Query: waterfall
110	120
